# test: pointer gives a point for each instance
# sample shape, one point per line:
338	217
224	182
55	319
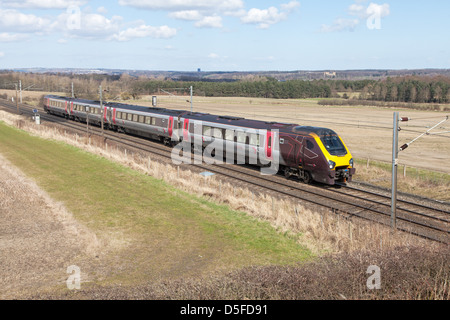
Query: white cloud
9	37
381	11
90	26
73	23
362	12
13	20
205	13
182	5
213	56
341	25
41	4
210	22
102	10
190	15
264	18
145	31
290	6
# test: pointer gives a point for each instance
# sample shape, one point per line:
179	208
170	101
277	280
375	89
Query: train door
310	157
186	130
170	126
114	115
269	145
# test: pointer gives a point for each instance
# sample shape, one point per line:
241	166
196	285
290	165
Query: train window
241	137
129	117
333	144
191	127
119	115
135	117
229	135
153	121
141	119
309	145
217	133
207	131
148	120
88	109
254	139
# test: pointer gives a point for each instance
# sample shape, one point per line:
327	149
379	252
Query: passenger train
303	152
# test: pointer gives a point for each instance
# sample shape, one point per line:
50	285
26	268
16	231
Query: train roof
137	108
85	101
222	119
237	121
317	130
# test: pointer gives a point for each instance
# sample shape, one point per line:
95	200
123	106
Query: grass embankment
159	232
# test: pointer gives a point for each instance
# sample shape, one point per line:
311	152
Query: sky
228	35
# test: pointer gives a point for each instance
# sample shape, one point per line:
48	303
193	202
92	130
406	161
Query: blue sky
229	35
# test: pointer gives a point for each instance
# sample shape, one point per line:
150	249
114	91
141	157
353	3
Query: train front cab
338	166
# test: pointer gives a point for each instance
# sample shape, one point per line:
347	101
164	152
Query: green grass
166	233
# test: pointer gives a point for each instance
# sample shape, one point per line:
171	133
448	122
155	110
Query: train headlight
351	163
331	164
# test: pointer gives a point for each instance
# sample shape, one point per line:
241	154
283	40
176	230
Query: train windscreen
333	144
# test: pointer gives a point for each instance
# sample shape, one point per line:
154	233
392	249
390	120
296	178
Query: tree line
412	89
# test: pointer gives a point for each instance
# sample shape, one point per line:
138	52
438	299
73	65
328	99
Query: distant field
150	230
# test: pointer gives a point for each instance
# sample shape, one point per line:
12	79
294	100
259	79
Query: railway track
431	221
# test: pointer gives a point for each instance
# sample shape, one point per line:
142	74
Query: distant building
329	74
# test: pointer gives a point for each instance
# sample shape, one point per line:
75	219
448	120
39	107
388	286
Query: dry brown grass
39	237
319	232
412	273
427	184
